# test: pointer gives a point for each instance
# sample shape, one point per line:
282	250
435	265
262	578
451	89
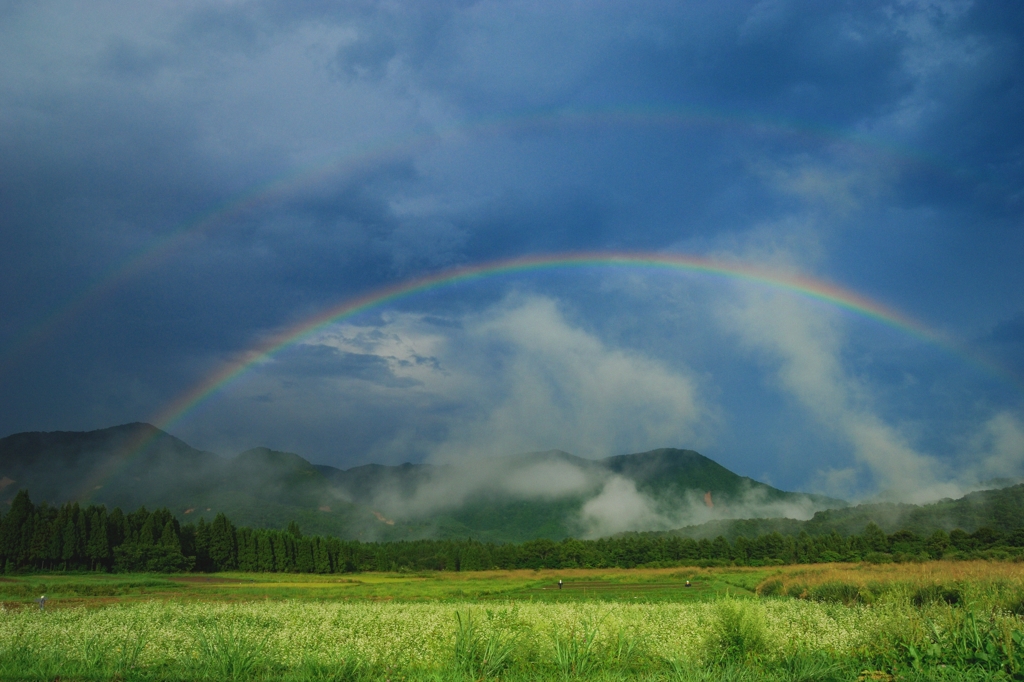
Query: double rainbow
294	181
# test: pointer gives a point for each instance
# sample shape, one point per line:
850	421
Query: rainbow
287	184
795	284
801	285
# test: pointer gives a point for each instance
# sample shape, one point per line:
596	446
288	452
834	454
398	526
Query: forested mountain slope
520	497
1001	510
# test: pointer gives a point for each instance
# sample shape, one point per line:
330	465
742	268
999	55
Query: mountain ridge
546	494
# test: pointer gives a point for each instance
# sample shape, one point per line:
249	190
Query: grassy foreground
839	622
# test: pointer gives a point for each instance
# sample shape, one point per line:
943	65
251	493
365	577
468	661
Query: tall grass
481	654
575	650
230	651
775	638
739	633
969	641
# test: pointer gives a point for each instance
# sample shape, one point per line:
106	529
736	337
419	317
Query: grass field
938	620
605	584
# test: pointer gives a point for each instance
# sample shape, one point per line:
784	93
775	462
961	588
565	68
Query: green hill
1000	509
138	465
550	494
674	482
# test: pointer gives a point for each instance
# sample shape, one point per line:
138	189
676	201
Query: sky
184	185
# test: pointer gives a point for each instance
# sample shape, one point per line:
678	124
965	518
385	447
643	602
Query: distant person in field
42	602
559	583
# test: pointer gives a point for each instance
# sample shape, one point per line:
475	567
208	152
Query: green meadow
93	589
926	621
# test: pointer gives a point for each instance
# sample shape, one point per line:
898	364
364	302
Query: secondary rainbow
294	180
797	284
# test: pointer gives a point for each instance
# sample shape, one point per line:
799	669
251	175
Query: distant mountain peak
267	456
514	497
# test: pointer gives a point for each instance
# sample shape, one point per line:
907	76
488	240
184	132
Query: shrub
798	590
934	594
771	588
838	592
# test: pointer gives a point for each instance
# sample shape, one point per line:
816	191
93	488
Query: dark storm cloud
313	151
840	61
832	63
967	110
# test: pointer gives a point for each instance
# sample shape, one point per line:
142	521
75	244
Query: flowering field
257	639
912	629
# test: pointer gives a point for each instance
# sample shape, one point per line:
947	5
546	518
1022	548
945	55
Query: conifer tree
265	551
223	552
740	548
72	535
246	549
81	535
321	559
169	537
160	519
40	546
116	523
291	552
202	546
14	544
55	550
187	535
140	528
98	548
281	559
304	555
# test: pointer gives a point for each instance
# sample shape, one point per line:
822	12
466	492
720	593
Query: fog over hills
550	494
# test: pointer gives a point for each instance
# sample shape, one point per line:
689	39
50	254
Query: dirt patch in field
602	586
81	602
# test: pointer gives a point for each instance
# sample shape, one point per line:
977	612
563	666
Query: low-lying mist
604	502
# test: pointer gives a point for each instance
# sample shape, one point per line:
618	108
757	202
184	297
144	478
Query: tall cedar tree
223	553
98	547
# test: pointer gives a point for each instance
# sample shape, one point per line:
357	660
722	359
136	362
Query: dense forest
70	537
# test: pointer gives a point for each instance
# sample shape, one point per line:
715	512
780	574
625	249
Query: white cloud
840	189
519	377
556	386
804	346
998	447
618	507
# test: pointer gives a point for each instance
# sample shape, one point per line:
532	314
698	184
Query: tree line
73	537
